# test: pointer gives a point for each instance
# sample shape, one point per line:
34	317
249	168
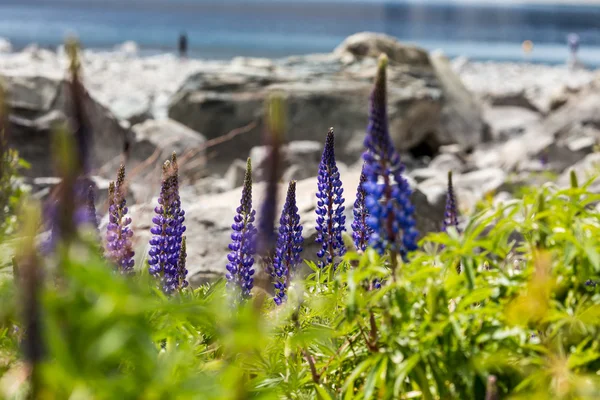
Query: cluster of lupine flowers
383	216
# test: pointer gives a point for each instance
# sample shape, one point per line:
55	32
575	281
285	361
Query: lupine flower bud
360	230
243	244
331	220
168	229
289	245
387	191
451	212
119	249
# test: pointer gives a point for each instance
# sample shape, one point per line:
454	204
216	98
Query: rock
209	218
581	109
507	122
32	138
37	53
129	48
38	104
300	160
235	174
427	106
461	113
156	140
32	96
469	188
134	109
369	44
304	152
423	174
481	181
512	99
447	162
5	46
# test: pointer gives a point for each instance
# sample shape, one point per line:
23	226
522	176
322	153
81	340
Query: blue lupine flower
168	229
119	249
451	212
387	191
360	230
331	220
243	246
289	245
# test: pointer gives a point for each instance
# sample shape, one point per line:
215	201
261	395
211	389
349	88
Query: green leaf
403	370
322	393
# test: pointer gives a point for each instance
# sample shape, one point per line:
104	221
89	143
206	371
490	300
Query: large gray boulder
427	104
39	104
156	140
370	44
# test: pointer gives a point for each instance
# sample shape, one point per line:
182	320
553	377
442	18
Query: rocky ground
497	126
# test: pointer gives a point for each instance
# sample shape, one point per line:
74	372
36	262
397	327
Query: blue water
270	28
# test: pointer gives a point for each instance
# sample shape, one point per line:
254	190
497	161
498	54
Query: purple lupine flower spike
360	230
240	271
168	229
451	212
289	245
119	249
330	207
387	191
181	270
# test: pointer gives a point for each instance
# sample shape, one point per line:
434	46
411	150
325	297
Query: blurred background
221	29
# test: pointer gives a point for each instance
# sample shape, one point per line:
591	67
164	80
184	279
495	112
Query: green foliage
521	308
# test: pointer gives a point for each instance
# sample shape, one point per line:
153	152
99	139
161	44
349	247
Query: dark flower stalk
119	249
181	270
266	223
168	229
243	244
451	212
30	281
331	220
92	215
387	191
66	210
289	246
80	122
360	229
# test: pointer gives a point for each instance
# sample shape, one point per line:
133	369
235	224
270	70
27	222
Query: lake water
224	29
